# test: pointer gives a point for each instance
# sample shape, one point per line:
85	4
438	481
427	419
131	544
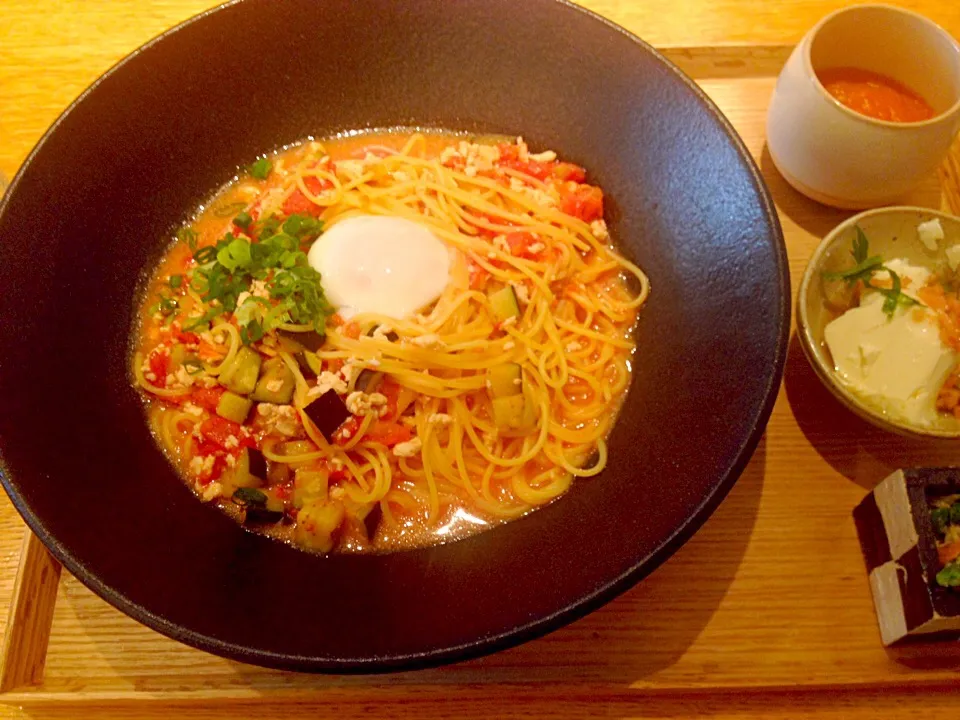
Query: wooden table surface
764	614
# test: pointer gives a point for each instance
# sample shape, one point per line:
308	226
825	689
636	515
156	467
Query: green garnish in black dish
864	270
290	290
945	519
260	169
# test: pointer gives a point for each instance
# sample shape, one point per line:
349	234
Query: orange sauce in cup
875	95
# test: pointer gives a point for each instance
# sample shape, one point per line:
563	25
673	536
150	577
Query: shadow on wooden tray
853	447
635	636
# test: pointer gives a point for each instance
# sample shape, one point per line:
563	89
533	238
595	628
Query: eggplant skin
328	412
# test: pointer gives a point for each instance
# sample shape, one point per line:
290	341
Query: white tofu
953	256
898	363
930	233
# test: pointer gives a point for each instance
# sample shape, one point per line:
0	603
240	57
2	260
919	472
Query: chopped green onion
260	169
188	236
175	281
236	254
229	209
243	220
205	254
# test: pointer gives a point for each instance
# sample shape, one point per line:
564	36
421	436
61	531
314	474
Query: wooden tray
769	597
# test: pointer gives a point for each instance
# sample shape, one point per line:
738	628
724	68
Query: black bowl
99	197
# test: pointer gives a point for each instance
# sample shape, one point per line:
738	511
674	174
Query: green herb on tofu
863	271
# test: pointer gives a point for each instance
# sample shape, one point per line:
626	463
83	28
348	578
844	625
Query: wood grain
769	598
27	631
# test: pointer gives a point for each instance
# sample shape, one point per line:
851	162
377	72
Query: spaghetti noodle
460	416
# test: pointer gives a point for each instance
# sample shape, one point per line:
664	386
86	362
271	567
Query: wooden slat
31	614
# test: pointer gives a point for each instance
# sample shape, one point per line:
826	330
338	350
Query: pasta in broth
354	430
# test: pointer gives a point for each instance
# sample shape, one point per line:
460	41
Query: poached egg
380	264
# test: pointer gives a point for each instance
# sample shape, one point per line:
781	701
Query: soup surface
875	95
389	340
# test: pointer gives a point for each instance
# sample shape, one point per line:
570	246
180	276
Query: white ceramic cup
838	156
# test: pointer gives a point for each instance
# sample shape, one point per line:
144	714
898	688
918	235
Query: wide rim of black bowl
521	633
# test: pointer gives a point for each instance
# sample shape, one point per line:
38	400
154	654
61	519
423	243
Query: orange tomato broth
215	217
875	95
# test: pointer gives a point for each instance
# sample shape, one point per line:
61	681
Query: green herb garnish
940	518
260	169
949	576
863	272
175	281
290	288
188	236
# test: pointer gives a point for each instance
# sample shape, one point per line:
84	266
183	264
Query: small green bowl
892	232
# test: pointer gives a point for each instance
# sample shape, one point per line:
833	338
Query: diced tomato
351	330
569	172
207	398
217	429
190	338
949	552
300	203
338	474
347	431
582	201
219	464
533	168
337	320
520	244
159	365
284	491
508	152
478	275
391	391
495	174
388	433
317	185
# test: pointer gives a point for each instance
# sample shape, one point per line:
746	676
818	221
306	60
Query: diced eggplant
262	516
179	356
368	380
240	376
259	507
256	463
505	380
309	363
504	303
372	521
511	412
389	337
364	516
328	412
240	475
309	486
318	525
308	340
278	473
276	383
234	407
297	447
